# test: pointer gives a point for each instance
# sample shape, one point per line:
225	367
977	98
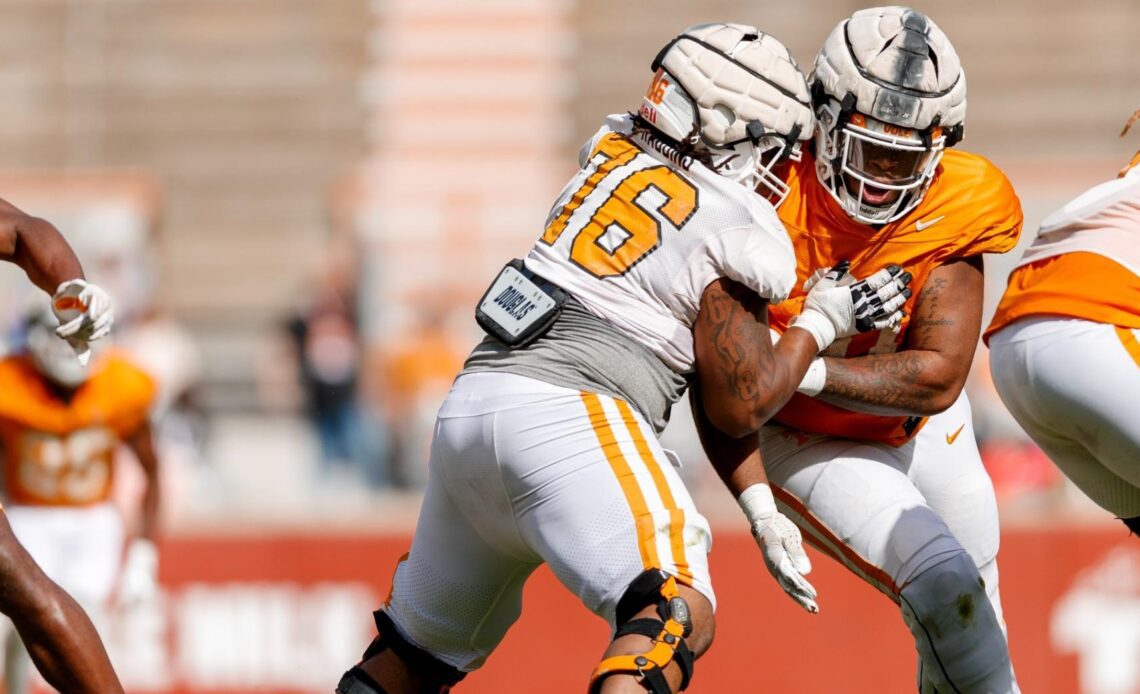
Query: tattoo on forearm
932	315
889	381
744	365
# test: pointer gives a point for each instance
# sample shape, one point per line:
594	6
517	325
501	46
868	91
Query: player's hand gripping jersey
970	209
636	237
60	453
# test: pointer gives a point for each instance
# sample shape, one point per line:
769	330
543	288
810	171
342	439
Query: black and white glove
839	306
878	300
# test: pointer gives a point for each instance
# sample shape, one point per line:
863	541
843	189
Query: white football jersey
636	238
1104	220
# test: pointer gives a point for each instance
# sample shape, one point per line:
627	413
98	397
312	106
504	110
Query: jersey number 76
623	231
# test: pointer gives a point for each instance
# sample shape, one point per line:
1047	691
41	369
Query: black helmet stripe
906	68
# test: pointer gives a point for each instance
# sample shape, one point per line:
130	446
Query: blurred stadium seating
223	164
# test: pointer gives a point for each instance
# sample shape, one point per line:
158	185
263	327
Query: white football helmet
735	93
50	354
889	95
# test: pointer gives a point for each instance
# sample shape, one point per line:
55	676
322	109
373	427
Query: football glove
779	541
138	582
839	306
84	313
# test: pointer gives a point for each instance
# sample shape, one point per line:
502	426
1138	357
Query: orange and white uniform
970	209
58	465
548	453
1065	342
890	497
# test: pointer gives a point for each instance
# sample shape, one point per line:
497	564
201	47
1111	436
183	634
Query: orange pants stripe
1131	344
646	532
676	515
849	556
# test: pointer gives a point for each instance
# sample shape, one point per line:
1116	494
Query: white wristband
815	378
819	325
757	502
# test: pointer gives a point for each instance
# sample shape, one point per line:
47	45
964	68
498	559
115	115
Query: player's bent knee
668	633
701	615
955	628
428	672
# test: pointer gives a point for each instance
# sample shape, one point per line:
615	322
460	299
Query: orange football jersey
60	453
969	209
1060	286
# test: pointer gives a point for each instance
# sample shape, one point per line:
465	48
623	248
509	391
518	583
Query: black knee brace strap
357	681
668	634
414	657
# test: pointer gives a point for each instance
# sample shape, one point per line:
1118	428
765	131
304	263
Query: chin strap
667	633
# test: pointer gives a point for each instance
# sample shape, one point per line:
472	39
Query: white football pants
889	514
1074	386
524	472
81	549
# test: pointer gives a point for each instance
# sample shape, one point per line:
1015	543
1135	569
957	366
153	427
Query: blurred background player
58	635
657	260
1063	345
875	459
61	424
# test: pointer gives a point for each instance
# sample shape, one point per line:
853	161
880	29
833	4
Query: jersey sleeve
616	123
12	384
134	392
991	213
759	256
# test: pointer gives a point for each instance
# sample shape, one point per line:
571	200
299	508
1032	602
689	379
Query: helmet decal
732	97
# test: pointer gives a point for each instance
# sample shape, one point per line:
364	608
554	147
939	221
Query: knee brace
439	675
652	587
1133	524
357	681
957	634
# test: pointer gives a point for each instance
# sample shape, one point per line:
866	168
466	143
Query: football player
658	260
57	633
61	423
875	457
1064	350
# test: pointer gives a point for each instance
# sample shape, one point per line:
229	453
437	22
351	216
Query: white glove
838	306
84	313
780	543
138	582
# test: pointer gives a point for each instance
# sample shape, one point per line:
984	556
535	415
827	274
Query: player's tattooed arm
926	376
743	378
57	633
37	247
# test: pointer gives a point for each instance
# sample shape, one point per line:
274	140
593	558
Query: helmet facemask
877	171
754	164
890	96
51	355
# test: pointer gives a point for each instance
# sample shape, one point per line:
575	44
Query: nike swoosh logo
920	225
951	438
